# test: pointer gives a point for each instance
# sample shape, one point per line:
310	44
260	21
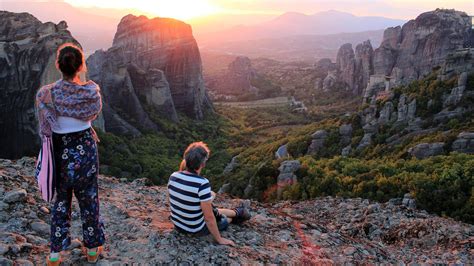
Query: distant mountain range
95	27
292	23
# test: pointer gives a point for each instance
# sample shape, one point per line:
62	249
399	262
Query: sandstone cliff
410	52
27	61
321	231
153	68
406	53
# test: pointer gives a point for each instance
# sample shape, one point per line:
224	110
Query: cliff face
321	231
154	65
406	53
27	54
411	52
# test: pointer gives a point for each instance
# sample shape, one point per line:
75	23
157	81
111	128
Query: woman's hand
225	241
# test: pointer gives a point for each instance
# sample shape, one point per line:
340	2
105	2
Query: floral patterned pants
77	165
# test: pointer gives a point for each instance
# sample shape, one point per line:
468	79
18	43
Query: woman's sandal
93	256
53	262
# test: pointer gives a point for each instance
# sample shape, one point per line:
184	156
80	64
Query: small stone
3	248
3	205
15	248
36	240
44	209
75	243
15	196
21	262
5	262
40	228
349	251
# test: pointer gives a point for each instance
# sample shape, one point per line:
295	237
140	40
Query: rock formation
356	67
464	143
153	67
317	142
424	150
321	231
287	174
236	80
345	63
410	52
406	53
27	62
282	152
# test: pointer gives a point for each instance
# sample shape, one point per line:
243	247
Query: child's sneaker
242	213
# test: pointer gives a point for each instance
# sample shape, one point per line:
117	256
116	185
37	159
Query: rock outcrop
464	143
317	142
320	231
153	67
27	62
235	81
282	152
410	52
345	63
406	53
424	150
356	67
287	174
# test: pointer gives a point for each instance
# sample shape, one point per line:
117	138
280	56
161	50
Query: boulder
287	176
14	196
402	108
365	141
329	81
424	150
409	201
385	113
457	92
231	165
224	188
319	137
282	152
346	151
345	131
41	228
464	143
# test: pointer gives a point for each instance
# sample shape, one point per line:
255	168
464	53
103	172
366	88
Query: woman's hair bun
69	59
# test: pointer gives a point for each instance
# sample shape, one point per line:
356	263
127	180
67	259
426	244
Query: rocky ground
322	231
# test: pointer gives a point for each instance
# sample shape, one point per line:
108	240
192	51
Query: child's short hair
196	154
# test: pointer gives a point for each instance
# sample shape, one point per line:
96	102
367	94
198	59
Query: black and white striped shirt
186	191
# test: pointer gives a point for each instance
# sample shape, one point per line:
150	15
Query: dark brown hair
196	154
70	59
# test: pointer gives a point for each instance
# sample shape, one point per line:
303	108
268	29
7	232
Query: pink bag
46	171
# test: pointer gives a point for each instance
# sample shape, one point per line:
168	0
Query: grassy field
269	102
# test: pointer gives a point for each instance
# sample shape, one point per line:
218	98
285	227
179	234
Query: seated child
190	199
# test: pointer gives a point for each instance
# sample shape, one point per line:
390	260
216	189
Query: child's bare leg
228	213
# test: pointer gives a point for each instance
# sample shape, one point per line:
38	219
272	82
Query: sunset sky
187	9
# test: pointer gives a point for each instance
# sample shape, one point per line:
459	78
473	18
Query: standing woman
66	109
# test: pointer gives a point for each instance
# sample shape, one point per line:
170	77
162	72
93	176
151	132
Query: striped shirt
186	191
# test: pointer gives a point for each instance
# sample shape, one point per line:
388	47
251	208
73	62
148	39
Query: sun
179	9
